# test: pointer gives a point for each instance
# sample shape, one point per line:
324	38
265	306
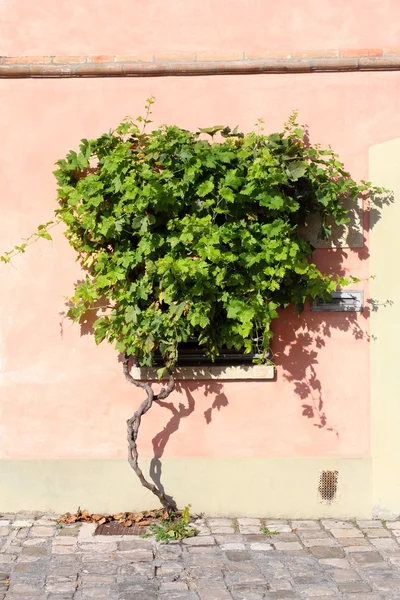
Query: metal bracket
343	301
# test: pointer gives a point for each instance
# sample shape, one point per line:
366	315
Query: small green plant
172	529
267	532
383	521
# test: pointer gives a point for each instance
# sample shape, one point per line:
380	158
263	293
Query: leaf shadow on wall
160	440
298	339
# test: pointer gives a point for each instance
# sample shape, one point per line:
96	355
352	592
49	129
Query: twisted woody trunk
133	425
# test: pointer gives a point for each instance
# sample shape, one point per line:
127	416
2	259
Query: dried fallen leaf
102	521
143	524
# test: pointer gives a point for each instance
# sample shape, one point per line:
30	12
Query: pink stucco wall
61	396
157	26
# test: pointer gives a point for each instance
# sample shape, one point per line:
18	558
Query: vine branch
133	425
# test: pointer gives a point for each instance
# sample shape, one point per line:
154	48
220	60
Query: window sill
212	372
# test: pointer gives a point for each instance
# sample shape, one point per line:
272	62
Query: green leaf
212	130
45	235
227	194
205	188
297	169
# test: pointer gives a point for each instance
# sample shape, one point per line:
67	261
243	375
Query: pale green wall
385	332
237	486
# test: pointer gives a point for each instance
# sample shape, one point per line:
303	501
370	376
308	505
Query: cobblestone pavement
229	559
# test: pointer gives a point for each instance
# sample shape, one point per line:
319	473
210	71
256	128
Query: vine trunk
133	425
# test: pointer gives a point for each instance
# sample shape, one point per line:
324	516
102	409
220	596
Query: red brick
100	58
175	57
23	60
316	53
256	55
66	60
138	58
219	56
393	51
352	52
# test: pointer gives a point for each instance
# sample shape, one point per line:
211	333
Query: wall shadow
160	441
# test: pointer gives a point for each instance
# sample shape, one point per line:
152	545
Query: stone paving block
87	578
326	552
366	558
363	597
337	563
62	541
22	523
374	523
386	584
61	587
135	555
86	532
306	579
328	541
210	594
354	587
334	524
222	530
63	550
305	525
355	542
42	531
319	591
208	550
215	522
377	533
232	546
285	546
384	543
276	585
164	596
283	537
261	547
248	521
393	524
248	529
346	533
237	556
312	534
199	541
283	595
173	586
340	575
35	542
68	531
279	526
235	538
351	549
109	547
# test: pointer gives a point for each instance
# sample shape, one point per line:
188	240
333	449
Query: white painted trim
193	373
